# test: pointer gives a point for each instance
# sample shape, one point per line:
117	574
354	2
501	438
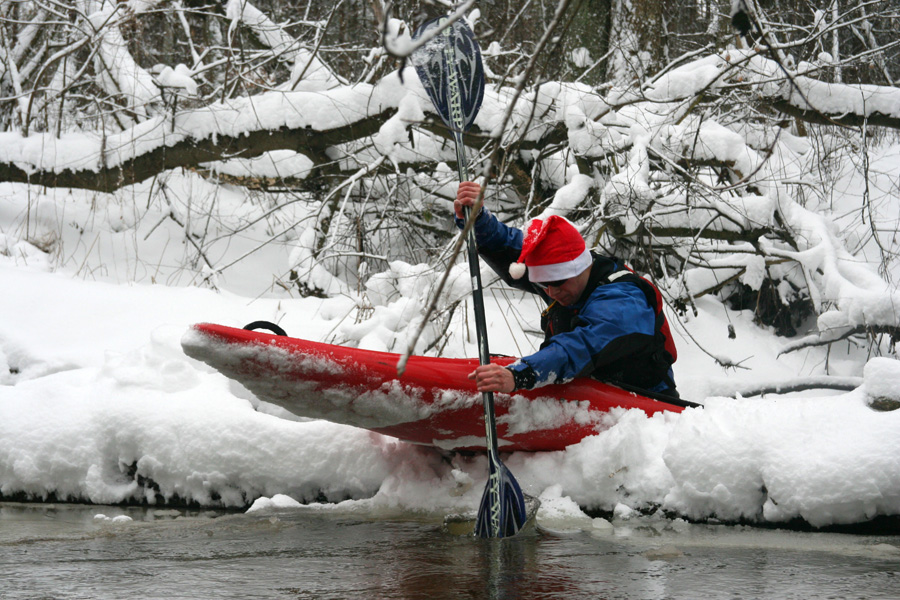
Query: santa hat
552	250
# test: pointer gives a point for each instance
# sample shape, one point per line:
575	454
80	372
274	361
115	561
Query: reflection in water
65	552
511	570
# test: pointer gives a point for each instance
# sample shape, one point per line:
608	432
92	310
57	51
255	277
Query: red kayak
433	403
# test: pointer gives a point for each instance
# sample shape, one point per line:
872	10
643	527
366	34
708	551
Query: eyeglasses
548	284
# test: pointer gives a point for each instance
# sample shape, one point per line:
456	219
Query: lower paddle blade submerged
502	512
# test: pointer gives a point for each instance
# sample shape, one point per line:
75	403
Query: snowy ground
99	404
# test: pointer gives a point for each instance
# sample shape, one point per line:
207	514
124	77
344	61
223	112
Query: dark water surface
67	552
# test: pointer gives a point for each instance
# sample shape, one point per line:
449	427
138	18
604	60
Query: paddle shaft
484	355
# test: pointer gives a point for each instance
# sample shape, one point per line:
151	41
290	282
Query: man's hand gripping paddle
449	66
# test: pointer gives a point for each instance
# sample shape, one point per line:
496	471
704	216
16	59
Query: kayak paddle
449	66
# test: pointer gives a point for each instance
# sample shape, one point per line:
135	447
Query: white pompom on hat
552	250
517	270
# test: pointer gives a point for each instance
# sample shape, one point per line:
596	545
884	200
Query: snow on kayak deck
373	403
342	403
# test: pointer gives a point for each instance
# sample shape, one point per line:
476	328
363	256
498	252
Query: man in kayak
602	320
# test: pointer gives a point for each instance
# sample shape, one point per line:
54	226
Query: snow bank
151	425
148	426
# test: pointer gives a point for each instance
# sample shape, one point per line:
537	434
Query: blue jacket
610	333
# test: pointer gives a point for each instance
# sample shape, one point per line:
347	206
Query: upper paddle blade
454	48
506	517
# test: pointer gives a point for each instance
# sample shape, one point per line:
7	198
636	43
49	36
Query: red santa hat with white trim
552	250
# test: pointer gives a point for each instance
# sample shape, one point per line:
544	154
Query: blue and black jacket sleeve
499	245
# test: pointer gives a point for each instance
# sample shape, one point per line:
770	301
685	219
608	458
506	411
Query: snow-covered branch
306	64
238	129
689	174
799	384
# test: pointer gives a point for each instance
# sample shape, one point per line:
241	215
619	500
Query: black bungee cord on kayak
266	325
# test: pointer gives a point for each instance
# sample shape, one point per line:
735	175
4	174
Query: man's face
570	290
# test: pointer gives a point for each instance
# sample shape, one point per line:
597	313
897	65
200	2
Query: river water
101	552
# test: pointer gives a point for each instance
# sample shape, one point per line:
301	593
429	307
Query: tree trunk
587	41
637	40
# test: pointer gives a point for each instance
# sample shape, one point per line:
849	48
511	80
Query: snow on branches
698	175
